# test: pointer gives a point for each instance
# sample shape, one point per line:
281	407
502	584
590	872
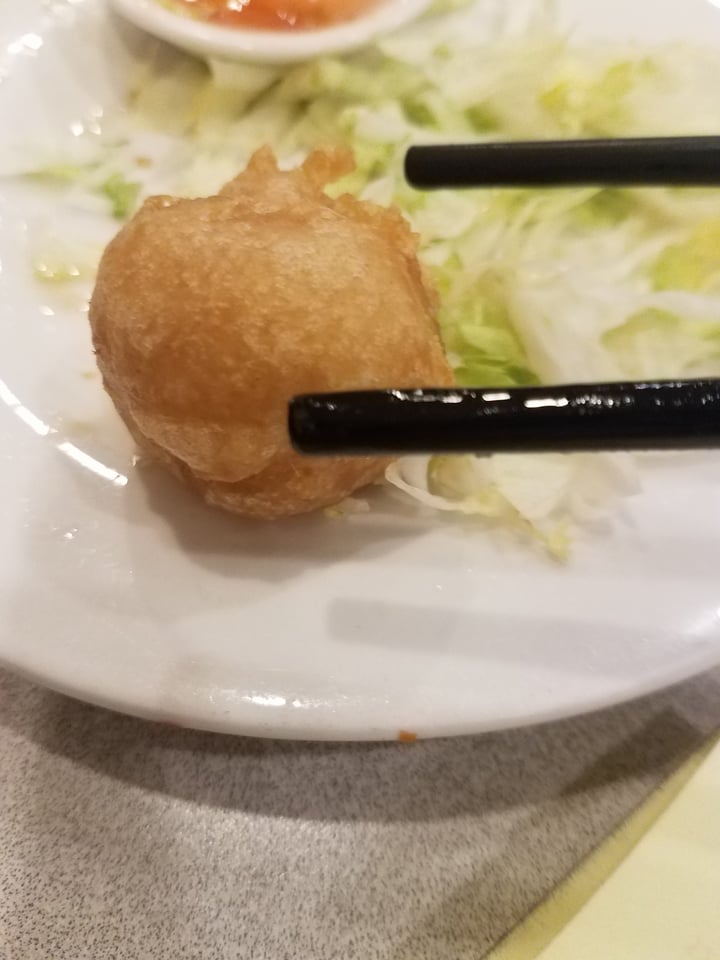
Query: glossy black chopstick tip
629	162
663	415
305	424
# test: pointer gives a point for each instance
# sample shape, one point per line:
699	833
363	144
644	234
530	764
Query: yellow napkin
651	892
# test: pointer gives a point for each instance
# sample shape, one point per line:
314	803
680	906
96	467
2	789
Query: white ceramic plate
121	589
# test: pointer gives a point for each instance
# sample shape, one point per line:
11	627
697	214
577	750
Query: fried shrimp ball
210	314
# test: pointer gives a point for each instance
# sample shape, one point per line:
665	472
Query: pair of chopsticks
682	414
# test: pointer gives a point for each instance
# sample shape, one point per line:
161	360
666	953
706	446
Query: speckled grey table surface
130	841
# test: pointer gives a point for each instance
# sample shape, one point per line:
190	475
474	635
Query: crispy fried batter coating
208	315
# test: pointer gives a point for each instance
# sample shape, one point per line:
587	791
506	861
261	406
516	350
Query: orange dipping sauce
276	14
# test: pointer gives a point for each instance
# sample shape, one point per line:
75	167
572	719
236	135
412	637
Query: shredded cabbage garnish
536	286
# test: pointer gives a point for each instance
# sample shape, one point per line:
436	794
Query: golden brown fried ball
210	314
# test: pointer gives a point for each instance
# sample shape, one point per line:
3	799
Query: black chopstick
641	162
663	415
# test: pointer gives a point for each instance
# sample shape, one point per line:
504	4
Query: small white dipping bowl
268	46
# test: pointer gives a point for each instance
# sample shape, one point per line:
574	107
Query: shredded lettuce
661	344
99	178
122	193
545	495
693	263
535	286
60	173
